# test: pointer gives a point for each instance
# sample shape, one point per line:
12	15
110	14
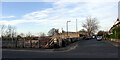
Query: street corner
68	48
63	49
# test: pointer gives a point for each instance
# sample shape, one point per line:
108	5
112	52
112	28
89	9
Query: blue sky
42	16
19	9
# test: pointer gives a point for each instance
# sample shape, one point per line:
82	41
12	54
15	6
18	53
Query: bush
108	36
116	33
112	36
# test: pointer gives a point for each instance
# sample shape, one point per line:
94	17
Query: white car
99	38
93	37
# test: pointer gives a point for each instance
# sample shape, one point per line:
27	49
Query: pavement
62	49
113	43
81	49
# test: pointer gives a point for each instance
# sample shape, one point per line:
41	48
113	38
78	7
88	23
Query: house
70	35
117	23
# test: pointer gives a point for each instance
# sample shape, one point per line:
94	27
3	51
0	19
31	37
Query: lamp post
67	27
77	31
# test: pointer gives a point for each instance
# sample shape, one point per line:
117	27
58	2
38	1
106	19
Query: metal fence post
39	44
30	43
23	44
16	43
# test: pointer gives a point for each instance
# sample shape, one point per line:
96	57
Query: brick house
70	35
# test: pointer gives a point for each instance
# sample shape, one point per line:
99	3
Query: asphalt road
85	49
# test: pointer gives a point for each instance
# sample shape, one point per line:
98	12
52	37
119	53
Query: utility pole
76	25
67	27
77	29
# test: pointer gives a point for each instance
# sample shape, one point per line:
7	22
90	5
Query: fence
33	43
24	44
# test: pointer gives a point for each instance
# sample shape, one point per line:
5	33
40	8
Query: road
85	49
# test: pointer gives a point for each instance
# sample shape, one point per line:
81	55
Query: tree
13	33
91	25
10	32
41	34
2	29
82	31
29	36
52	32
22	35
100	33
116	32
19	37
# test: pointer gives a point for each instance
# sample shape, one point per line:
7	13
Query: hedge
116	33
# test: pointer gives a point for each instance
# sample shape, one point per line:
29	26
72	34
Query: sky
41	16
119	9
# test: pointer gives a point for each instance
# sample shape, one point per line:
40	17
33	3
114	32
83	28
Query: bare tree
91	25
52	32
41	34
22	35
29	36
9	32
82	31
13	33
2	29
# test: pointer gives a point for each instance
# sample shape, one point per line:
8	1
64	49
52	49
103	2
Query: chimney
118	19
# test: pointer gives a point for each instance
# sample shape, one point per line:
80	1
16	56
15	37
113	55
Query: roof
115	24
118	23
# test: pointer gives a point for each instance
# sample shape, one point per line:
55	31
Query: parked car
73	39
99	38
93	37
87	38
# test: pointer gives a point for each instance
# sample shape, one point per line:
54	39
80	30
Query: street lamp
67	27
77	31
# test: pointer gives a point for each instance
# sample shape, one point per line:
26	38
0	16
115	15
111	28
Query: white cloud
29	0
7	17
64	10
4	22
38	14
60	0
15	22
